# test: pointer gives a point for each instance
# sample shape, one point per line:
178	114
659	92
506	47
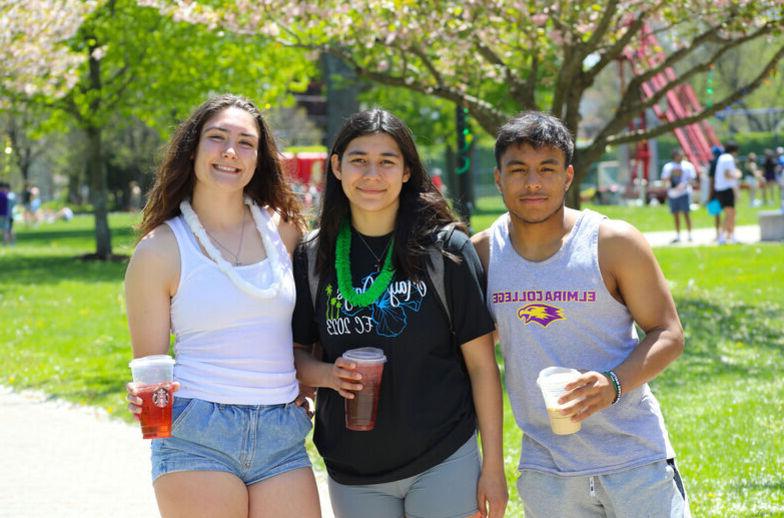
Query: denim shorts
679	204
253	442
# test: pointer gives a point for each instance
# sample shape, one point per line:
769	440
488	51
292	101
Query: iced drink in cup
361	410
153	377
552	381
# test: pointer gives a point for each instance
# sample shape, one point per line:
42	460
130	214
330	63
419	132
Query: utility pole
464	195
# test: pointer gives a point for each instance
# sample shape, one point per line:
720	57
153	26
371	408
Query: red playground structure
681	101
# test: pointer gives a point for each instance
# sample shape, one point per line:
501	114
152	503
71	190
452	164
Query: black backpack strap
310	243
435	269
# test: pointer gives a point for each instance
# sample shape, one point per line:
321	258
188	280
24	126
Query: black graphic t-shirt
425	410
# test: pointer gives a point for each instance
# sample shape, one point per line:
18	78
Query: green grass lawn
64	332
646	219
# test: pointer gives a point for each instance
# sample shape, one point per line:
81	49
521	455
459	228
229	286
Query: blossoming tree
34	53
497	57
122	59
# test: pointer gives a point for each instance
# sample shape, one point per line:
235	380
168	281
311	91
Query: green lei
343	268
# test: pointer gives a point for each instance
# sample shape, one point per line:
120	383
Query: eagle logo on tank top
542	314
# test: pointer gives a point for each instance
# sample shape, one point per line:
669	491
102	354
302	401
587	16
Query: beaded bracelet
616	384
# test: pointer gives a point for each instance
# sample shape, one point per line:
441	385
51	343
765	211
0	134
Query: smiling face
372	172
533	181
227	151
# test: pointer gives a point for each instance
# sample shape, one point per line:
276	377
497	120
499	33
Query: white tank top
231	347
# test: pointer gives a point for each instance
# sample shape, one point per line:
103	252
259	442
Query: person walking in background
366	282
31	199
9	236
680	175
4	212
716	151
725	184
768	183
752	177
565	288
213	267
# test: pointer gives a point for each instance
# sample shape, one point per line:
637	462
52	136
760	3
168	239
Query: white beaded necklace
272	253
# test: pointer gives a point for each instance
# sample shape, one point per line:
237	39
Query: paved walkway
65	461
61	460
702	236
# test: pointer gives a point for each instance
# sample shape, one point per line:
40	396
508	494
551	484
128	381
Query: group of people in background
261	315
725	177
26	208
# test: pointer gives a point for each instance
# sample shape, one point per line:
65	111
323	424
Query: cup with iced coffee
552	381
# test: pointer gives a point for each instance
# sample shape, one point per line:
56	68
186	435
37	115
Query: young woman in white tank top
214	268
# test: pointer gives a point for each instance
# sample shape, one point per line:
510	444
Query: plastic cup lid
154	360
551	376
365	354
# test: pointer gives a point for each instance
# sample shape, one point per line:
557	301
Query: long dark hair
422	210
175	177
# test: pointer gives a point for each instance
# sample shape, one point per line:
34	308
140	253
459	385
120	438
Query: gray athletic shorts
654	490
447	490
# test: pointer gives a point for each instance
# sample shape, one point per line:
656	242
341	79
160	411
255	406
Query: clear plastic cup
153	375
552	381
361	411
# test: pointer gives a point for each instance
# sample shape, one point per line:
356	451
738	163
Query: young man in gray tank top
565	288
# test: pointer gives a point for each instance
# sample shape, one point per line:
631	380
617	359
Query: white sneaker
722	240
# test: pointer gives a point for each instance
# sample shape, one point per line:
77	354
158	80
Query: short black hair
731	147
537	129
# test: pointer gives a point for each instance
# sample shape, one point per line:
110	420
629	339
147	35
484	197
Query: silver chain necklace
378	259
236	256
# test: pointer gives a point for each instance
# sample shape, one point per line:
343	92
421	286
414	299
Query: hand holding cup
344	378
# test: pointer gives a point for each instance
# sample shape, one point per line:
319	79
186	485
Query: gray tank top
558	312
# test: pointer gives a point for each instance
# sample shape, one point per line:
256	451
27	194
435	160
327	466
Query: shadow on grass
32	271
33	237
747	484
731	338
96	388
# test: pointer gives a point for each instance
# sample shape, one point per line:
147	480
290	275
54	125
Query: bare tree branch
602	27
521	91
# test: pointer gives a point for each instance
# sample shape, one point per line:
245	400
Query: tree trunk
343	88
581	162
96	175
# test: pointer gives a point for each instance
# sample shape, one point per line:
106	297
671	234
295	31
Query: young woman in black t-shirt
380	218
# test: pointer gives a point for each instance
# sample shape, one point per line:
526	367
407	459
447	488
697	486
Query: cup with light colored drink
552	382
153	377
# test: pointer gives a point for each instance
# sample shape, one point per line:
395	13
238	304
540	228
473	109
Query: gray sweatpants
654	490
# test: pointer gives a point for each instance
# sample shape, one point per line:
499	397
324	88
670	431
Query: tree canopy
118	58
498	57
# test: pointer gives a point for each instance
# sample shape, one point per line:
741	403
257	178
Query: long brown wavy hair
175	177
